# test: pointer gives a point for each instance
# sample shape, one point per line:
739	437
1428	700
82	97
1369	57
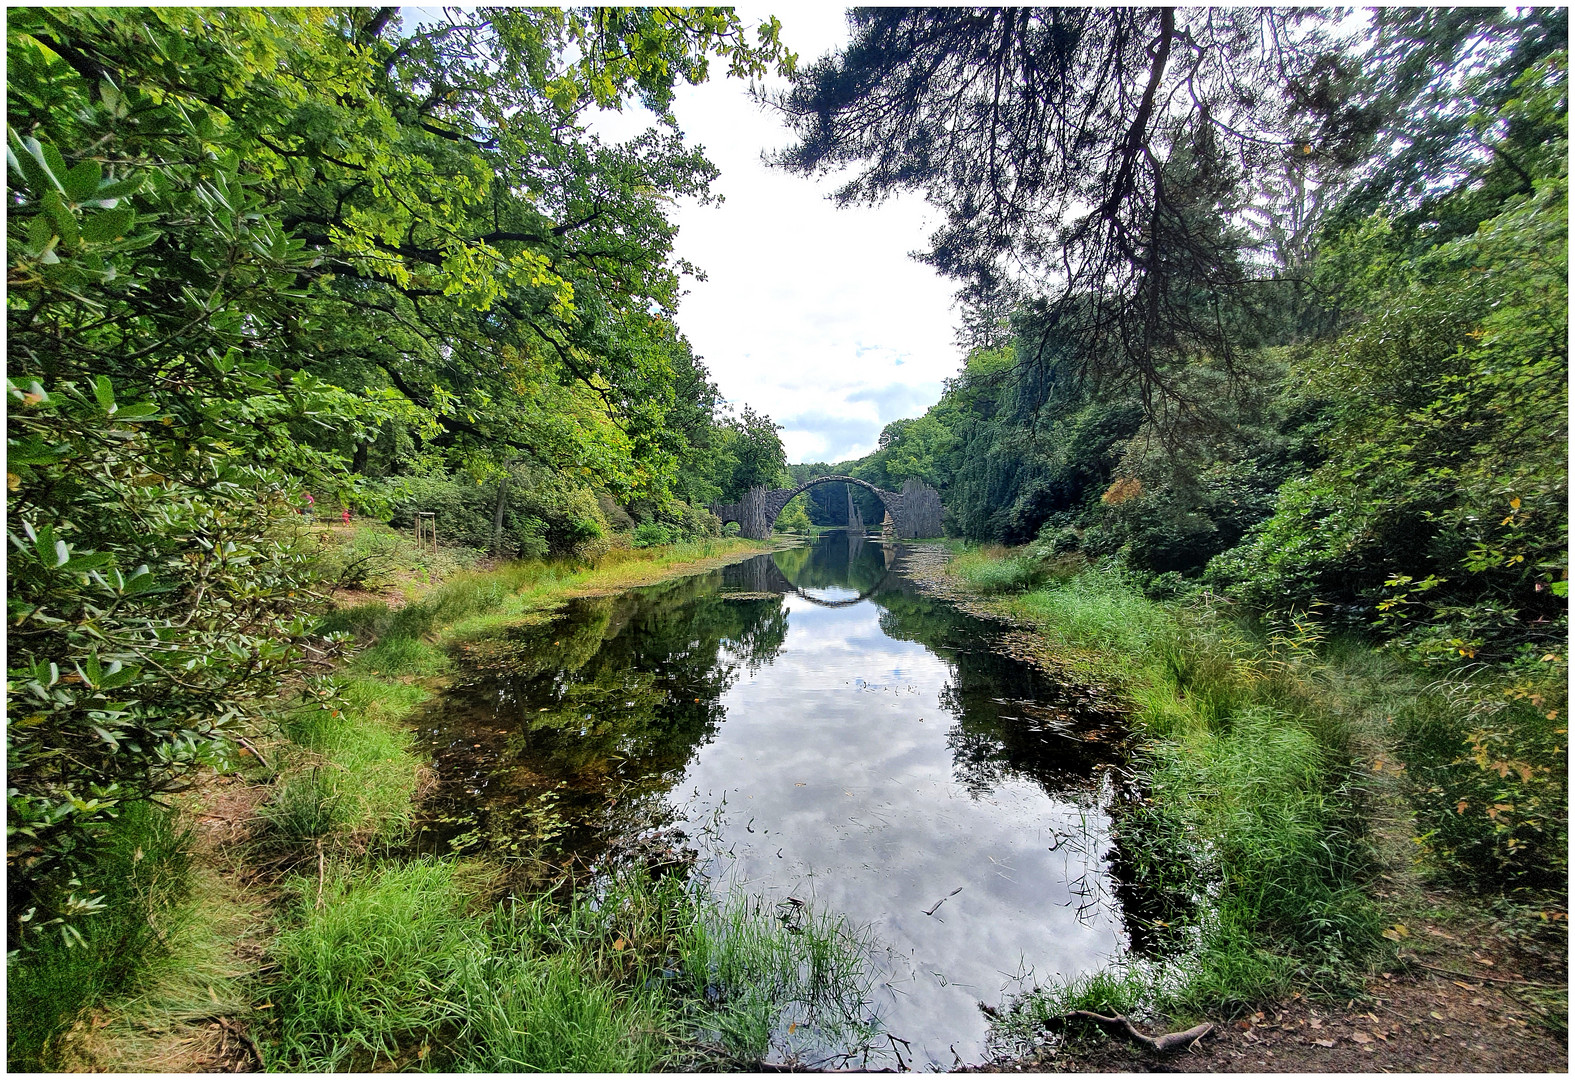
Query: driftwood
1161	1044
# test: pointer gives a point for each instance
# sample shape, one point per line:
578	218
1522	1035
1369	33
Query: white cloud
811	314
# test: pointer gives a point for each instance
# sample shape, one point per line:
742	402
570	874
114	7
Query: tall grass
397	968
993	570
1248	844
366	972
162	1021
141	876
348	767
790	981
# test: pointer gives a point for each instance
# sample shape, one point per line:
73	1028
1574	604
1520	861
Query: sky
814	315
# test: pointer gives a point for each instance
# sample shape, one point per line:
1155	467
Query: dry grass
190	1009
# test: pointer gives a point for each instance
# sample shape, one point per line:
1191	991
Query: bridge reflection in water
760	577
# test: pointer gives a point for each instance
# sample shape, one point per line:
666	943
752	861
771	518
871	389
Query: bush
1487	771
154	588
653	534
542	514
165	551
675	524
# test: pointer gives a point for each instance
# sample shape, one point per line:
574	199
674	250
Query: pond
806	724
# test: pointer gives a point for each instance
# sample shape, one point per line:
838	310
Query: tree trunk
497	517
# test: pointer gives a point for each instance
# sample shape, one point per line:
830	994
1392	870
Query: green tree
245	248
1050	137
1443	498
748	453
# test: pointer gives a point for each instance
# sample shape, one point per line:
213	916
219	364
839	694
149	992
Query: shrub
653	534
542	513
168	559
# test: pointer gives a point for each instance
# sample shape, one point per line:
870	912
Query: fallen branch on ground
1120	1025
240	1033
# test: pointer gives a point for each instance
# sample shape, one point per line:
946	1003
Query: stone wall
921	511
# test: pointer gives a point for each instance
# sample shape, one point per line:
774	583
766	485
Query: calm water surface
808	725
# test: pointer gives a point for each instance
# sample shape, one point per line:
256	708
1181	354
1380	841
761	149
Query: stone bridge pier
915	511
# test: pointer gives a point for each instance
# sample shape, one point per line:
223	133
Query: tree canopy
1144	176
256	249
1341	249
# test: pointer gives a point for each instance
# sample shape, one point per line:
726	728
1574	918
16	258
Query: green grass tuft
348	768
141	874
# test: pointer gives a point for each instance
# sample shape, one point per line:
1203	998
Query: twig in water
943	900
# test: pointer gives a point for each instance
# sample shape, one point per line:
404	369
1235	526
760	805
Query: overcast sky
814	315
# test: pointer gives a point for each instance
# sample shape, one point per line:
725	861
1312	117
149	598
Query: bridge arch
776	501
915	512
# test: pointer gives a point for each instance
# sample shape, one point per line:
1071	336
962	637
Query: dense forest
1333	374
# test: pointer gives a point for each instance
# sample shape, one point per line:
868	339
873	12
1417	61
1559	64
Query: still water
806	724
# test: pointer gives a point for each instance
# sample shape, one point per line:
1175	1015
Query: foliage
677	524
794	518
1442	500
253	248
747	452
1086	155
154	604
1487	770
542	513
1383	437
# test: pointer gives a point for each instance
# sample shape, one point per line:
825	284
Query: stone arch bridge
915	512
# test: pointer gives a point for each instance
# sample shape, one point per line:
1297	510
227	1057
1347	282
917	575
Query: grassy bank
347	775
1288	789
356	957
394	965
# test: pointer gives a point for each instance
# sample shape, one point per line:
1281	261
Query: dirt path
1418	1022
